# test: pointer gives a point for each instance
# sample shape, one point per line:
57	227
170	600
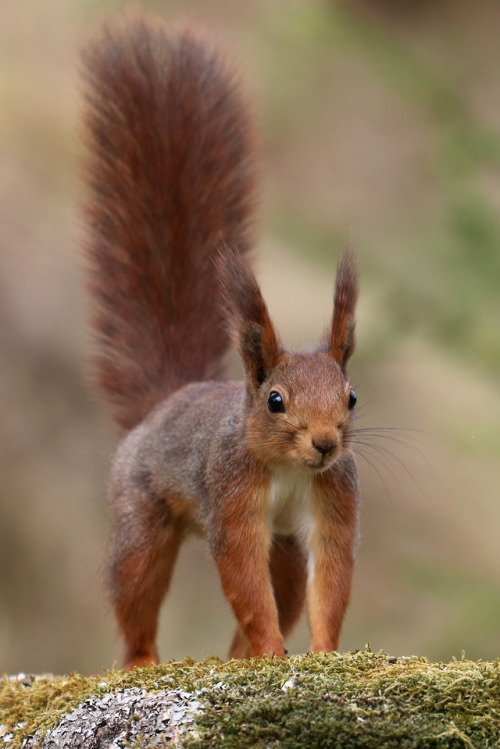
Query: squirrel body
262	468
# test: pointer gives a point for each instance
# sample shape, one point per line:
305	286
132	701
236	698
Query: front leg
334	498
241	544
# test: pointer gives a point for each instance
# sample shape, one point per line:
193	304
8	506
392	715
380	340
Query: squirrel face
301	414
298	404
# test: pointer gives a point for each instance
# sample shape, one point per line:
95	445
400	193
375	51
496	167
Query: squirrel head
300	404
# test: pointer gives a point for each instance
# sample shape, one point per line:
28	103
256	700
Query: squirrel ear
342	340
246	315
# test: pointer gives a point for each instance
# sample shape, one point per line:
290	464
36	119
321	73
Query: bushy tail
170	171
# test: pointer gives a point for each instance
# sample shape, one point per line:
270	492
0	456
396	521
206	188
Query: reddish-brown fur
171	170
171	177
333	548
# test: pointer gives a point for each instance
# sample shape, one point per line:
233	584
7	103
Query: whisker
375	468
380	454
360	410
396	430
391	434
364	436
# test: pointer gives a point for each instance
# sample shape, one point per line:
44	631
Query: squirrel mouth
320	465
323	462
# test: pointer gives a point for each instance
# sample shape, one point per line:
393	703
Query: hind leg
289	575
145	541
288	568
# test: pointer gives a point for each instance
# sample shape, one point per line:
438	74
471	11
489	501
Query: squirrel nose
324	446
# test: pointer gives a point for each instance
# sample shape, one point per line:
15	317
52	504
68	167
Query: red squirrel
262	468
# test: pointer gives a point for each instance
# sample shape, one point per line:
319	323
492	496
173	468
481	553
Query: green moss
359	699
354	700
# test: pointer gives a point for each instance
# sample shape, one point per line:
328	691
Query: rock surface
117	719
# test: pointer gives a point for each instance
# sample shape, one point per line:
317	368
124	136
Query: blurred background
381	129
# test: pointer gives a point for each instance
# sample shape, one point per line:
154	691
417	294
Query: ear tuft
342	340
246	315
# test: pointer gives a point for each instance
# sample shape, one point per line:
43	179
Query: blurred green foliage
447	274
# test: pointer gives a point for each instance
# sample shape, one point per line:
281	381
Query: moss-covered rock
358	699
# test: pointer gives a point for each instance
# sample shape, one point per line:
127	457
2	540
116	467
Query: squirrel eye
275	403
352	400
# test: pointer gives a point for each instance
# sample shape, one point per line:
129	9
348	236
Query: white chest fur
290	503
